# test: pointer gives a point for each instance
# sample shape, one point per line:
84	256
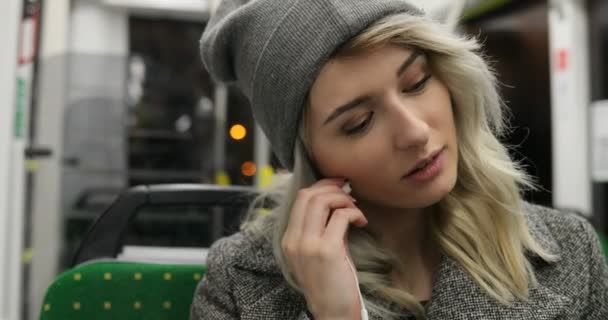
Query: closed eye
359	127
419	85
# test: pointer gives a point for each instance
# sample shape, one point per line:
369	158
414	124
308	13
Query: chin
425	201
427	197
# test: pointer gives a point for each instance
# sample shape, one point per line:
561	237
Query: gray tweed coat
244	282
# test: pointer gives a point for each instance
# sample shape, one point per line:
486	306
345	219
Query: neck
403	231
406	233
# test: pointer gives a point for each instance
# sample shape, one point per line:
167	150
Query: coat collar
455	294
540	231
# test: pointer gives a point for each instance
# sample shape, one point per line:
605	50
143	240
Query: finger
339	222
319	209
301	207
329	189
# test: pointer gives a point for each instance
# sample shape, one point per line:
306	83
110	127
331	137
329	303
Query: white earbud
346	187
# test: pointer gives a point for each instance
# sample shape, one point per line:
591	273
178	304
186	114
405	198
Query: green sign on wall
20	109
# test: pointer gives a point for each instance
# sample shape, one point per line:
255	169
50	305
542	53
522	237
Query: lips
423	162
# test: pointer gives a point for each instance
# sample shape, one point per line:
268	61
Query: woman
374	96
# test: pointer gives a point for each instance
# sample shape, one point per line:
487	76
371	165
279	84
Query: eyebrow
361	100
349	106
408	62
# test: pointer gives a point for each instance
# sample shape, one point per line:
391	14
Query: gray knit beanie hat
273	50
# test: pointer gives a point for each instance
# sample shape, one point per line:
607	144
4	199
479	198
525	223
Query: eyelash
419	85
360	127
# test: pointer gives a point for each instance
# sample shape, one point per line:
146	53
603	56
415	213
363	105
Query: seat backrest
107	235
122	290
100	287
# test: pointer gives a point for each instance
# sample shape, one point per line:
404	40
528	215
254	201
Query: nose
410	128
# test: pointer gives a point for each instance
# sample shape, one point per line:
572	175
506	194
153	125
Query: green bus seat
104	290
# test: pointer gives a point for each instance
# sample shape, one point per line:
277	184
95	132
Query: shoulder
244	281
241	270
226	251
553	218
580	272
558	231
244	250
580	260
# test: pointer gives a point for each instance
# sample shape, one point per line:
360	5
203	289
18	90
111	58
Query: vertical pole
10	238
220	114
262	156
219	153
570	100
48	123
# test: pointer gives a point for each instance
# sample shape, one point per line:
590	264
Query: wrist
338	318
325	316
334	312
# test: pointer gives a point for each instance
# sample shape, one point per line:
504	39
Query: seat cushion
122	290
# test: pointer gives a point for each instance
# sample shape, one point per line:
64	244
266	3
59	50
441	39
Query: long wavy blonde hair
480	223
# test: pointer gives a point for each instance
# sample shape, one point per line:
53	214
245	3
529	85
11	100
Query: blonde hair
480	223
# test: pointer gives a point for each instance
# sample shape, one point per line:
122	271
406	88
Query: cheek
450	125
440	116
354	161
443	100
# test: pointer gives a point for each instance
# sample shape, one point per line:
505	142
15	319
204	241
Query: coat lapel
457	296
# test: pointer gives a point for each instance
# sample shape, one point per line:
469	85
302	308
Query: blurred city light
222	178
248	169
266	174
238	132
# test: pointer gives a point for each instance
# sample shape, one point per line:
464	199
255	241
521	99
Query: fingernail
353	199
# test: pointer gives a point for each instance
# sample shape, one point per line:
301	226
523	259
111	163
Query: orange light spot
248	169
238	132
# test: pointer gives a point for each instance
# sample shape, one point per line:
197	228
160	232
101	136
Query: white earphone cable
364	315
